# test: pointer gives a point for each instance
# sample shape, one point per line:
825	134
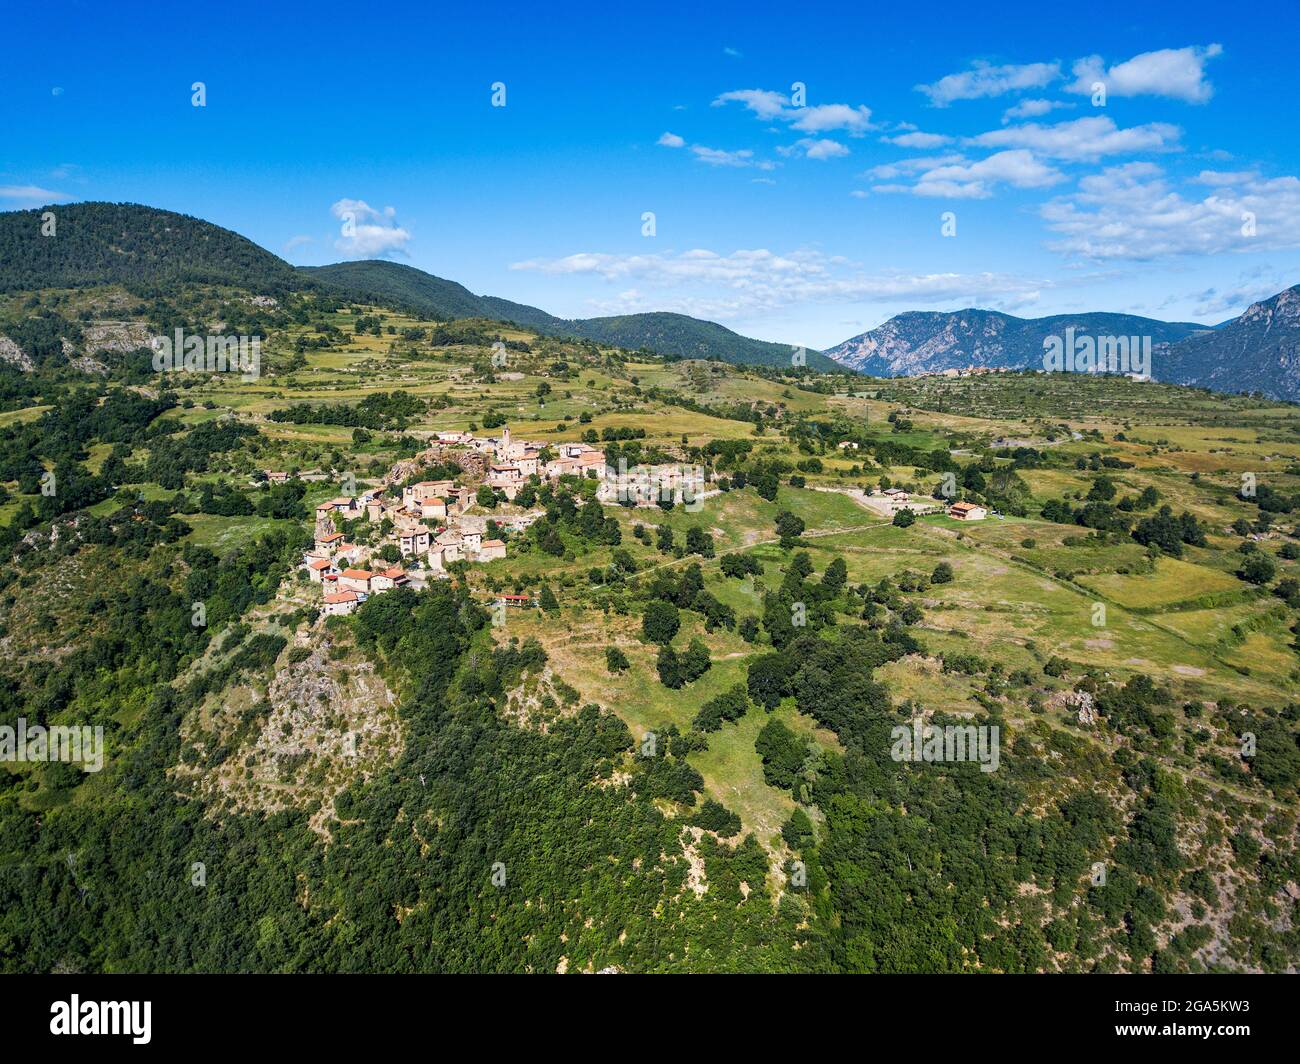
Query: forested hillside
686	337
396	285
124	243
678	335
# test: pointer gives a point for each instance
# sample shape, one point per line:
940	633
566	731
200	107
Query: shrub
661	622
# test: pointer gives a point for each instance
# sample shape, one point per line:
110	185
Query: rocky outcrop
13	354
115	337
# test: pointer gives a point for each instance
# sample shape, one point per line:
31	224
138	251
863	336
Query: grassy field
1174	580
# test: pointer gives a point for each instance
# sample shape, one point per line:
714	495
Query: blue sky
804	217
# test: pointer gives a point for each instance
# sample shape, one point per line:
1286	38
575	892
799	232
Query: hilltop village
424	526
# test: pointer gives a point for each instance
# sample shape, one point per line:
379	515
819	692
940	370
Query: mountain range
107	243
121	243
931	341
1258	351
394	284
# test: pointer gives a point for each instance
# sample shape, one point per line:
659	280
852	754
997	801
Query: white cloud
1132	212
297	242
1226	177
963	180
775	106
816	148
825	117
735	53
707	284
720	157
1083	138
906	167
762	102
919	140
817	118
1259	284
32	195
1032	108
1178	73
984	80
715	156
366	232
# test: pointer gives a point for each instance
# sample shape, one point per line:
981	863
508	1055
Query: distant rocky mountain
1258	351
932	341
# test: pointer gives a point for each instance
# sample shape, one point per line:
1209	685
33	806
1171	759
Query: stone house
355	580
318	567
967	511
388	579
434	508
329	544
341	602
413	540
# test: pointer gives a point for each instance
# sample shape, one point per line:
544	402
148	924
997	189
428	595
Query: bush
677	670
731	705
661	622
783	753
740	565
699	542
1258	568
798	830
716	817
